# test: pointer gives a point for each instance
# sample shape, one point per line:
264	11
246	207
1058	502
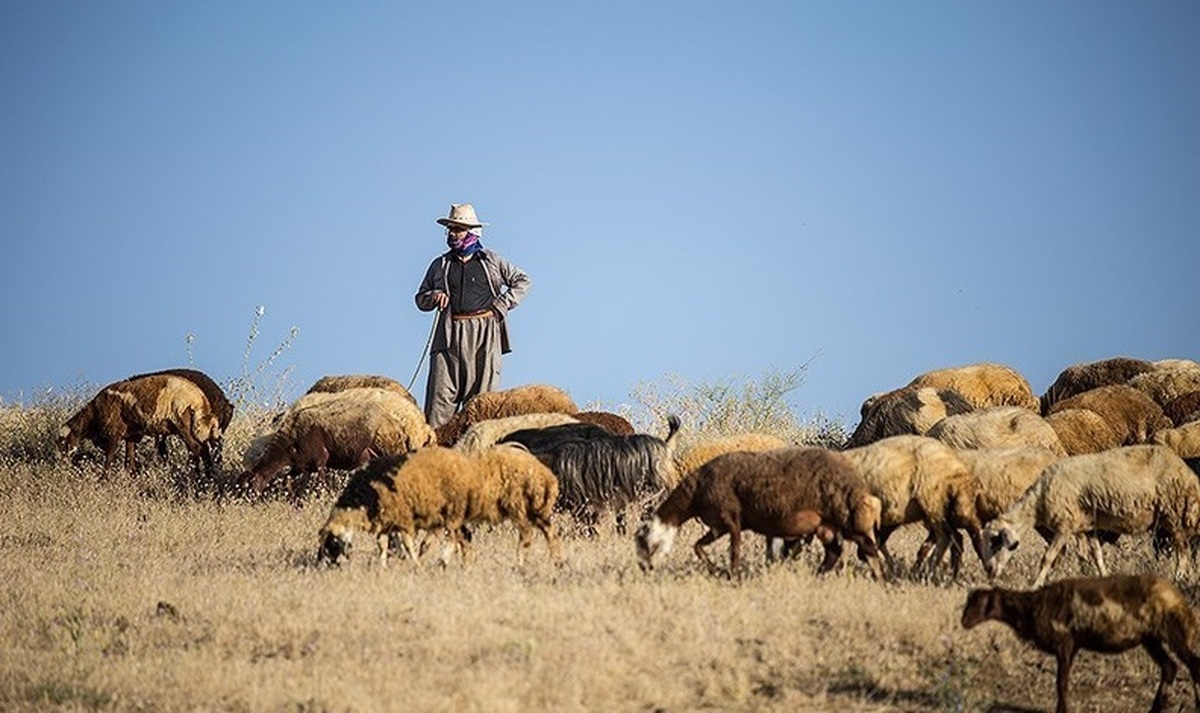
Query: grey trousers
470	366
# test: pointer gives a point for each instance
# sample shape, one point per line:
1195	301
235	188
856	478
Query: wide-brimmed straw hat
462	214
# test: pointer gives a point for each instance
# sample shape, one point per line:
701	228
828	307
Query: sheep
1163	385
789	493
1086	376
997	427
1105	614
906	411
919	479
1132	415
613	422
531	398
125	411
598	469
1082	430
1184	408
1175	364
341	430
341	382
1184	440
487	433
441	488
218	402
696	455
983	385
1126	490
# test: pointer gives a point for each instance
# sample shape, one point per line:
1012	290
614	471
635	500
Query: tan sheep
1086	376
1184	440
531	398
1127	490
697	454
615	423
983	385
340	382
441	489
1107	614
1082	430
341	430
487	433
1130	413
997	427
124	412
907	411
1163	385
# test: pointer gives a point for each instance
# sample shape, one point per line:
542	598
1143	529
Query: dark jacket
508	282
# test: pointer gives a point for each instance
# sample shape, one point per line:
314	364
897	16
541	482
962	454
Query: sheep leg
1177	639
833	549
735	553
1060	541
1167	668
381	540
410	546
1065	656
1097	555
705	540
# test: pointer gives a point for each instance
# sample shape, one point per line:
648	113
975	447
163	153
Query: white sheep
529	398
1127	490
997	427
488	432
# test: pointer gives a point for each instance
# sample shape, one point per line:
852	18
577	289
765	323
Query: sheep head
982	605
337	535
654	538
1000	540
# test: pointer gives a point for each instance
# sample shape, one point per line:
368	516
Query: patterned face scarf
465	246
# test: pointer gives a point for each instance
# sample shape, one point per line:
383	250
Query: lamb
1107	614
598	469
788	493
613	422
1184	408
531	398
1086	376
906	411
1132	415
919	479
441	488
1184	440
983	385
1082	430
997	427
341	430
218	402
1125	490
125	411
340	382
487	433
1163	385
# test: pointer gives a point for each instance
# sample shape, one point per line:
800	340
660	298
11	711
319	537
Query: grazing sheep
613	422
1184	408
907	411
1082	430
126	411
997	427
340	382
1176	364
218	402
788	493
983	385
1105	614
1132	415
341	430
702	452
487	433
440	488
919	479
531	398
1127	490
598	469
1185	440
1163	385
1086	376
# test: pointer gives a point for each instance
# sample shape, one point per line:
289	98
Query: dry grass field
122	596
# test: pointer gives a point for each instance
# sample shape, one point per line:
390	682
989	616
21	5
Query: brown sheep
983	385
791	493
1184	408
1132	415
907	411
341	430
1103	614
997	427
218	402
1086	376
613	422
531	398
340	382
1082	430
126	411
1184	440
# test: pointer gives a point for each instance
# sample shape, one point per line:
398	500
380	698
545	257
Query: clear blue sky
711	190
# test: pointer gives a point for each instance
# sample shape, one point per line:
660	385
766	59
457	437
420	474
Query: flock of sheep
1111	449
